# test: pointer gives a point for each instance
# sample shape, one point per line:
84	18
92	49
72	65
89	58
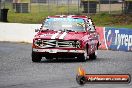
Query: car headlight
76	44
38	42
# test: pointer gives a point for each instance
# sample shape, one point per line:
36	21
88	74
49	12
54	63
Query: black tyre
92	56
36	57
84	56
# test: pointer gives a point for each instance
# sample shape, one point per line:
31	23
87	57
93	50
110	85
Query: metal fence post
123	6
57	7
109	6
38	6
30	5
0	9
88	7
99	6
48	7
68	6
78	7
20	7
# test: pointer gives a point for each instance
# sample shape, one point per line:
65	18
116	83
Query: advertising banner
118	38
101	31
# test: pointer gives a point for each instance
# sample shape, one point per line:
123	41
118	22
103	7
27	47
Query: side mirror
91	29
37	30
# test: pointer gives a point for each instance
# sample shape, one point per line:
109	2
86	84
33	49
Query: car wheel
92	56
84	56
36	57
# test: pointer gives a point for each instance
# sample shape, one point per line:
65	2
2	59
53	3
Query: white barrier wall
17	32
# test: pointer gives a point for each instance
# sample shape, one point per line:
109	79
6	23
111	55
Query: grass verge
38	12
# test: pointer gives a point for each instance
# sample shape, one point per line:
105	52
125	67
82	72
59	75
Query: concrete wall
110	38
17	32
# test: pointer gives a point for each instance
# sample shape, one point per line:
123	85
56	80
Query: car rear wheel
92	56
36	57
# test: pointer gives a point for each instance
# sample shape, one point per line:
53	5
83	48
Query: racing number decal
56	34
63	35
92	45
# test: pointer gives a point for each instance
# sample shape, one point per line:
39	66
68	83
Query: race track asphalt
18	71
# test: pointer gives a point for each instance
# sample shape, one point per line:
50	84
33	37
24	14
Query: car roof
68	16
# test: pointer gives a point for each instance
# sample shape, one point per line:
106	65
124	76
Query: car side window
90	25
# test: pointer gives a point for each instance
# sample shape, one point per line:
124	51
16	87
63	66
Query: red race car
65	36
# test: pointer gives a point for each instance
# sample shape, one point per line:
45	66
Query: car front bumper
57	51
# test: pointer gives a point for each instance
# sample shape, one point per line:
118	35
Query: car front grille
56	44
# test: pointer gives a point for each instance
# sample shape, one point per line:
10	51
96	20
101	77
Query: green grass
108	20
124	26
24	1
41	11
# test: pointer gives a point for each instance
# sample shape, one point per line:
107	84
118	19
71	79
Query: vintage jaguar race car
65	36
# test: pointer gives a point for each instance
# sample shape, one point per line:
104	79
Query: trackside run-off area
18	71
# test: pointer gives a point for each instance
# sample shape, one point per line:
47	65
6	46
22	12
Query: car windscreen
62	24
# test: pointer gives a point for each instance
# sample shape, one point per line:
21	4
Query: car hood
59	35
